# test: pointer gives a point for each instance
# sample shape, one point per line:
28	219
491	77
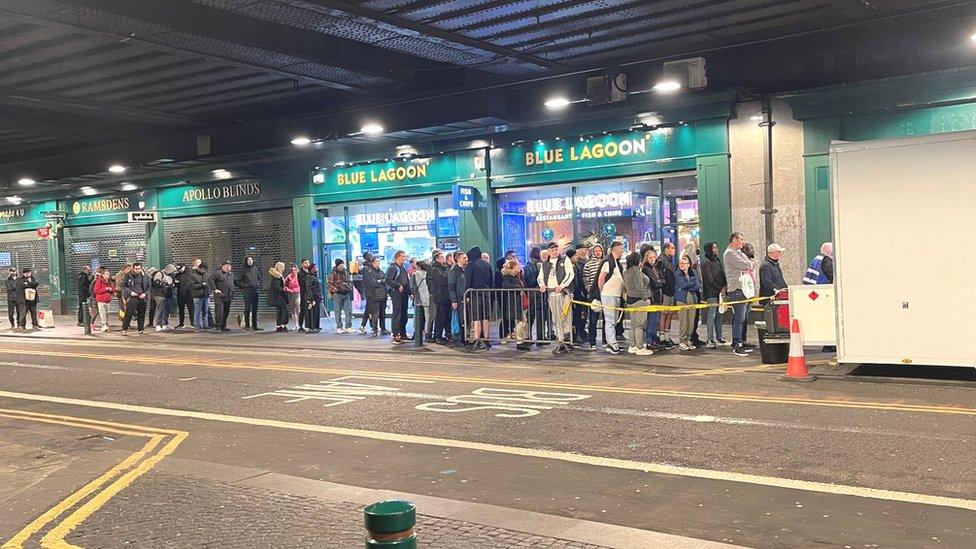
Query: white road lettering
510	403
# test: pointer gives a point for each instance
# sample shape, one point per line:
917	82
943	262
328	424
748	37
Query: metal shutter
110	246
27	251
269	236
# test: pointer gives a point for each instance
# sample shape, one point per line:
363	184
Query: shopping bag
521	330
722	307
45	318
748	285
240	320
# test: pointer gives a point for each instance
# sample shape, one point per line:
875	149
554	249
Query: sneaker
613	349
644	352
711	345
257	329
654	347
632	350
527	347
385	332
123	332
362	331
685	347
159	328
142	332
721	341
748	346
738	351
179	327
104	328
586	347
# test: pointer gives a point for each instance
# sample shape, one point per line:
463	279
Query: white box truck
904	226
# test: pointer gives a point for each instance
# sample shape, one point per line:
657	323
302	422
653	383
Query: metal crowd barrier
519	316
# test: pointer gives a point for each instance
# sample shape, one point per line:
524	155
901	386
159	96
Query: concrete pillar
746	143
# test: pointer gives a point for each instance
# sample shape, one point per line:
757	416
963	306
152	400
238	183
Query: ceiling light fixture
117	168
26	182
667	86
318	178
221	173
557	103
14	199
88	191
371	129
301	141
129	187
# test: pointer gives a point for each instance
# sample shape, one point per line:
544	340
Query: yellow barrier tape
668	308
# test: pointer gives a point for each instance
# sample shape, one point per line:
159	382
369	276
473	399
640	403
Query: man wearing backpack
610	284
736	265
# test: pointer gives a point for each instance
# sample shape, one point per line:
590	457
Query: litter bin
773	349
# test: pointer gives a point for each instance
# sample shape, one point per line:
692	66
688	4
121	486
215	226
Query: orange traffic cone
796	366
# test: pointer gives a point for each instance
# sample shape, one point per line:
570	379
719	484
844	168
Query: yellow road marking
732	397
595	461
55	537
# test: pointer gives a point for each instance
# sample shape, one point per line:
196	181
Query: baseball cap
774	247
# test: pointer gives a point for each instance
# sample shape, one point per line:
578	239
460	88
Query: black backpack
594	291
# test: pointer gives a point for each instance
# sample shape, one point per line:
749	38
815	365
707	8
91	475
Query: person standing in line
686	289
412	266
477	275
278	297
713	283
137	287
638	288
750	252
103	291
223	294
515	303
365	265
610	281
313	317
691	252
440	297
590	271
340	290
821	269
200	291
579	257
737	264
374	281
457	285
84	292
398	283
27	295
656	285
14	303
771	277
303	297
421	299
665	264
555	278
162	285
184	294
451	260
119	284
293	287
249	281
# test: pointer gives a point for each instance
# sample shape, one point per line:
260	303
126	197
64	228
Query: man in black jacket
184	294
713	279
398	283
249	282
14	304
770	273
137	286
84	292
665	265
457	285
303	283
27	295
223	294
314	300
440	297
581	313
477	276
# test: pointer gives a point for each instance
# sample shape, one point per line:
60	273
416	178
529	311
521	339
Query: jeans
593	321
638	324
650	330
713	321
343	309
610	318
739	314
201	312
442	321
251	309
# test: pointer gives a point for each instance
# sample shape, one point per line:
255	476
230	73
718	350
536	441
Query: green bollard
86	318
389	525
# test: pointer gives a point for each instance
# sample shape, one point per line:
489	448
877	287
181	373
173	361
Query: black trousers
400	303
580	316
152	311
368	313
538	313
221	312
314	317
375	309
28	307
13	312
302	311
134	307
442	321
81	309
251	309
281	315
184	301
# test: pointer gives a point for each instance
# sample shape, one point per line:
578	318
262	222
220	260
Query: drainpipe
768	211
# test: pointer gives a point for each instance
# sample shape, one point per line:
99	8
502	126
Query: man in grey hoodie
737	264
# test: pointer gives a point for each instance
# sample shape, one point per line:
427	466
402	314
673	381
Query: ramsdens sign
100	205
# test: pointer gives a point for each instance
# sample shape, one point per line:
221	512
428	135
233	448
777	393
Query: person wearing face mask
249	281
14	304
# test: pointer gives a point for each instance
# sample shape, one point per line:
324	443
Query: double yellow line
92	496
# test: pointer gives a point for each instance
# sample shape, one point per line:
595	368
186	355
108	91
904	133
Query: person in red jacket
104	291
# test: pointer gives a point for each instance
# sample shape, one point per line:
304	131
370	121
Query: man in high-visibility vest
821	269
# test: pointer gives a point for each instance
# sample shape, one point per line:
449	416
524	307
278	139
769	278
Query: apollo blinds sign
633	153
